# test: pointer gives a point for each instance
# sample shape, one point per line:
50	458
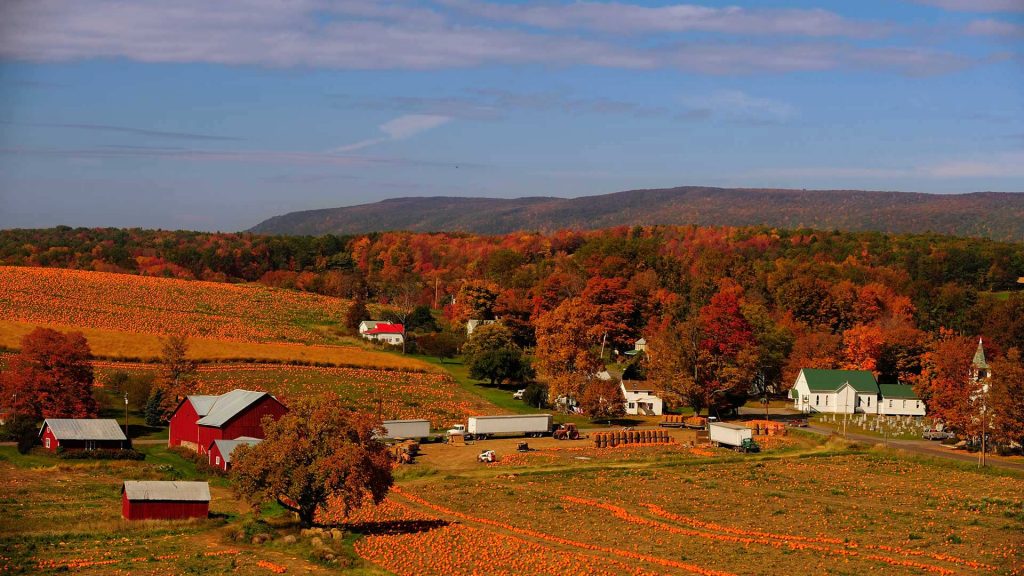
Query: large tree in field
319	451
491	355
51	377
177	374
1006	399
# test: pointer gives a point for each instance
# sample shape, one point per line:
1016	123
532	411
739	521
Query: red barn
220	450
158	500
82	434
199	420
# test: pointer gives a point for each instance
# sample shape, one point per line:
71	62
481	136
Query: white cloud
350	34
399	128
622	18
976	5
992	27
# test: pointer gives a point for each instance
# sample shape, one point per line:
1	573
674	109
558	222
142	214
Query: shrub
100	454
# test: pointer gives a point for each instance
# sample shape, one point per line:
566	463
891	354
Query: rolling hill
994	215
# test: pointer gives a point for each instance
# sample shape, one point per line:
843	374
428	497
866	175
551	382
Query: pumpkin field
127	317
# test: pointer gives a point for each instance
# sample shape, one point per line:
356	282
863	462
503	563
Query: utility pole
125	414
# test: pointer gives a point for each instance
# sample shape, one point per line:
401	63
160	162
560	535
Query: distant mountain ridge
997	215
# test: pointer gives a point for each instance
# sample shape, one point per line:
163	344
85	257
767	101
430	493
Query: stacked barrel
672	419
766	427
623	437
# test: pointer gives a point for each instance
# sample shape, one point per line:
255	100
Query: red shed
220	450
157	500
199	420
81	434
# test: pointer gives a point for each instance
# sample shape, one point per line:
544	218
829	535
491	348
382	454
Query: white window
869	401
817	399
917	404
890	403
218	460
47	443
826	400
631	405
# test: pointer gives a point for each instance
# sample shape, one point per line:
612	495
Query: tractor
566	432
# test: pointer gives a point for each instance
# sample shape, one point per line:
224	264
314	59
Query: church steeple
979	363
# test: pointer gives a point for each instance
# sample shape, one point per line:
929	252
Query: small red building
158	500
220	451
199	420
82	434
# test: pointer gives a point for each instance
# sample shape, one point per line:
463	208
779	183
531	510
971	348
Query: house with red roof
199	420
393	334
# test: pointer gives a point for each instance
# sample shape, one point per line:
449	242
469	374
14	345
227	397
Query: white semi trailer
533	425
730	435
406	429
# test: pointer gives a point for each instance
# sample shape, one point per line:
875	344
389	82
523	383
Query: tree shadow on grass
396	527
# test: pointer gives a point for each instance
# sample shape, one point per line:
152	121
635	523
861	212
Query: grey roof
202	404
226	447
227	406
84	429
167	491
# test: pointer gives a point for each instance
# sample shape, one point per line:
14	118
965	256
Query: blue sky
214	116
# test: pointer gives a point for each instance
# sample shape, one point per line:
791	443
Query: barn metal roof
202	404
226	447
227	406
167	491
84	429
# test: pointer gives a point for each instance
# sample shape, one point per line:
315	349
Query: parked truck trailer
406	429
479	427
732	436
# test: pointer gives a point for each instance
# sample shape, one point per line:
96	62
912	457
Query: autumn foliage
51	377
321	450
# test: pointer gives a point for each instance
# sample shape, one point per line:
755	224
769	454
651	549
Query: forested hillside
988	215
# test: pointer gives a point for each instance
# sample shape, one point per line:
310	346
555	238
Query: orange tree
566	351
1007	399
603	399
317	452
51	377
945	382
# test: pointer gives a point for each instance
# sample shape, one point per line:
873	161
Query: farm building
199	420
641	400
387	333
852	392
159	500
220	450
82	434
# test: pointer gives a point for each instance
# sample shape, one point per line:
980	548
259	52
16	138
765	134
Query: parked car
518	394
934	434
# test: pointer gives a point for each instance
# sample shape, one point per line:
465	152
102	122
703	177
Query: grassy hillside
993	215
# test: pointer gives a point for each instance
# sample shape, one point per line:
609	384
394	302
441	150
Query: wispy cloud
124	130
1003	165
998	165
738	105
976	5
993	27
619	18
400	128
262	157
349	34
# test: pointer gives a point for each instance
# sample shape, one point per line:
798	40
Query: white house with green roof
835	391
899	400
852	392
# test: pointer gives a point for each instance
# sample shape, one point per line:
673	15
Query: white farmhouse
393	334
835	391
899	400
641	400
472	325
367	325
